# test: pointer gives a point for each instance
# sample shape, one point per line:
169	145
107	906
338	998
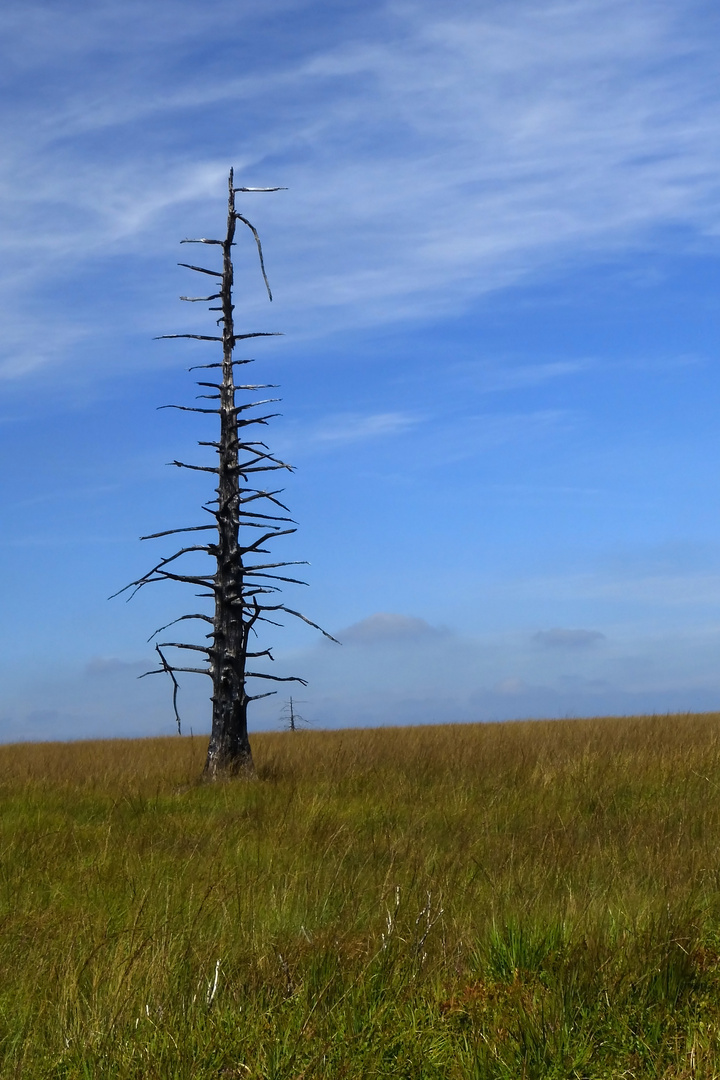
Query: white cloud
102	699
394	669
511	687
101	667
440	157
389	627
351	427
501	374
443	676
650	590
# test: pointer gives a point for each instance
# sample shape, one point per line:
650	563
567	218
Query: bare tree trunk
240	586
229	749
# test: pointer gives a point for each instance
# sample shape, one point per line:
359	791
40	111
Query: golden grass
528	899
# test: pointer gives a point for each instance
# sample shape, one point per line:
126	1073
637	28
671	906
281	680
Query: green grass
482	901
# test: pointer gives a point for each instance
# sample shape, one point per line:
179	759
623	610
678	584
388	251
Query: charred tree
243	586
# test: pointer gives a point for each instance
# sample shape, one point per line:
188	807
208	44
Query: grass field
501	901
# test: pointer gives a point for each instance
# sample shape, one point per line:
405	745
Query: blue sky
496	268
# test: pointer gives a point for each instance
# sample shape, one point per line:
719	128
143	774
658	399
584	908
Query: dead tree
243	587
291	715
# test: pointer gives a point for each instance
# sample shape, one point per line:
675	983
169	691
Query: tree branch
254	231
202	270
299	615
188	528
167	667
180	645
268	536
182	618
196	337
244	337
276	678
174	667
195	468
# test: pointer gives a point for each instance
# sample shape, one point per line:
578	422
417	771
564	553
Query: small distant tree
242	587
291	716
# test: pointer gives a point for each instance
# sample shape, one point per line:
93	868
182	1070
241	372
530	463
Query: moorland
509	900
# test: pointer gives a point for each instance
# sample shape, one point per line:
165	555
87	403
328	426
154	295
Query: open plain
482	901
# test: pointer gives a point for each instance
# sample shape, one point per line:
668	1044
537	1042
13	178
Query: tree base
225	767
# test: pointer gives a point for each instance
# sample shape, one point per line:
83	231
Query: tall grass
480	901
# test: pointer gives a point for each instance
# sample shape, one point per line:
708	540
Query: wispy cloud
559	638
424	674
502	374
352	427
647	590
101	667
390	627
455	436
431	158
